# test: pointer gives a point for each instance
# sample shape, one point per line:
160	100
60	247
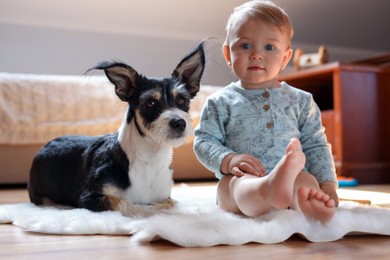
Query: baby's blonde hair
266	11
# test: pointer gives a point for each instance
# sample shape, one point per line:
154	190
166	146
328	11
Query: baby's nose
256	56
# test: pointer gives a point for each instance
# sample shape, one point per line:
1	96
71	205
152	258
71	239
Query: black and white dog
128	171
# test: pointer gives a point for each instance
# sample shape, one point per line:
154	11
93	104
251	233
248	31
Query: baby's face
257	53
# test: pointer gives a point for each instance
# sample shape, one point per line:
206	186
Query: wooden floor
18	244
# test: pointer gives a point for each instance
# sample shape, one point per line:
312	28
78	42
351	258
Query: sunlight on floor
376	198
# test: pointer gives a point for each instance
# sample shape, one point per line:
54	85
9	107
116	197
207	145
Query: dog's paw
166	204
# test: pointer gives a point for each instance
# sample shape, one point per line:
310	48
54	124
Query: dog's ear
190	70
121	75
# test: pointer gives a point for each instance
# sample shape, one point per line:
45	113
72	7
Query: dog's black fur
128	171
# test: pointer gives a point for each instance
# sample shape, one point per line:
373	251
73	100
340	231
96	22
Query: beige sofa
37	108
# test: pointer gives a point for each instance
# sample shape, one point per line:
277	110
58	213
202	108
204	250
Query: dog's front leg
99	202
166	204
135	210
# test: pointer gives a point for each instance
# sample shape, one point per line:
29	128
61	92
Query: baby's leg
311	200
254	196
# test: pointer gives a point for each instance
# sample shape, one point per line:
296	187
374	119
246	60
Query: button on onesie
266	100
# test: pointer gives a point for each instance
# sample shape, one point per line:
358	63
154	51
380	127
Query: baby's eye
269	47
246	46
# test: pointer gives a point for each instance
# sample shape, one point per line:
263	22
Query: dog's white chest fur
150	177
149	167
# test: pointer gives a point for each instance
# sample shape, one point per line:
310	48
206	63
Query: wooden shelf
354	101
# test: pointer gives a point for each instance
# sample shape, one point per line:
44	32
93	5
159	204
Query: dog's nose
178	124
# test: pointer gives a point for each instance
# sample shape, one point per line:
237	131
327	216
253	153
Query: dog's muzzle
178	125
177	128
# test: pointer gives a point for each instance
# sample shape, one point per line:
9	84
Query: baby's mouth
256	68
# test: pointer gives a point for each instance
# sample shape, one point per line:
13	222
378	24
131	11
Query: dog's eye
150	103
181	101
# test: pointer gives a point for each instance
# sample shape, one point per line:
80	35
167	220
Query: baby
263	138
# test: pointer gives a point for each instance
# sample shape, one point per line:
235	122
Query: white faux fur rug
196	221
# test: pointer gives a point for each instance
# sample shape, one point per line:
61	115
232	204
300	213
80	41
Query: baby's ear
226	54
287	57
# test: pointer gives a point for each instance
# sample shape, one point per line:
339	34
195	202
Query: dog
127	171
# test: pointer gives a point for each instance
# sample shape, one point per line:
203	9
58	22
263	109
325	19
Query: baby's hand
240	164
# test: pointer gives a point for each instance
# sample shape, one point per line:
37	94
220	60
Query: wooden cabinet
355	105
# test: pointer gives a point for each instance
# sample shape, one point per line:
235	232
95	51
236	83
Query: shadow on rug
196	221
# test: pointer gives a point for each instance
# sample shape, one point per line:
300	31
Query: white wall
28	49
67	36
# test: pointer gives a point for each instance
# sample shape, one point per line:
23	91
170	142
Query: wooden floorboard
18	244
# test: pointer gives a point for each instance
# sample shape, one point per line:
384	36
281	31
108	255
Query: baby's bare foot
316	204
283	176
294	145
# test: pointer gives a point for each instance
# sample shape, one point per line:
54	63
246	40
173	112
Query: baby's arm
239	164
315	145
